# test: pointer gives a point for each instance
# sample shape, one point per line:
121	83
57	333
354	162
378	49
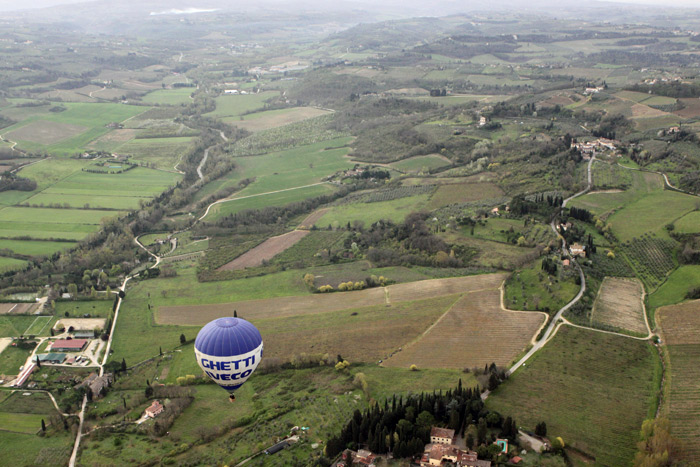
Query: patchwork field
45	132
68	131
263	200
237	105
193	315
680	326
421	164
475	332
274	118
619	304
395	210
463	193
592	389
265	251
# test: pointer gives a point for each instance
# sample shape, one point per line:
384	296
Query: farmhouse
441	435
439	454
577	250
68	345
154	409
361	457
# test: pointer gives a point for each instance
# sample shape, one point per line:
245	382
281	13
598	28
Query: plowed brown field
680	326
619	304
475	332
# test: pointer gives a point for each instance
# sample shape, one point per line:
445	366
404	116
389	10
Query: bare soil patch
475	332
312	218
691	109
680	326
17	308
45	132
81	324
194	315
265	251
116	136
619	304
641	110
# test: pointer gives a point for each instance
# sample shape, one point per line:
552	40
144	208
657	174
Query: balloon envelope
228	350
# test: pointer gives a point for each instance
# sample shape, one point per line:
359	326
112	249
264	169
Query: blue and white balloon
229	350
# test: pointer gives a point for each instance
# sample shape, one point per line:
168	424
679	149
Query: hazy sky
9	5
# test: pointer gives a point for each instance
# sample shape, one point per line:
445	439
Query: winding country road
555	319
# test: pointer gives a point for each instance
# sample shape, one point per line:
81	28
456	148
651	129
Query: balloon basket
232	398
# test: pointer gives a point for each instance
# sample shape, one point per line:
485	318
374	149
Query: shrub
413	367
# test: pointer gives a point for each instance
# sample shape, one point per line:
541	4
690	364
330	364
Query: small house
577	250
154	409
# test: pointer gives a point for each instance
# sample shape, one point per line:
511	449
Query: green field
20	449
293	168
395	210
592	389
14	326
676	286
40	326
10	264
163	153
603	204
651	213
236	105
169	96
76	309
421	163
690	223
20	421
35	247
49	216
108	191
268	200
12	359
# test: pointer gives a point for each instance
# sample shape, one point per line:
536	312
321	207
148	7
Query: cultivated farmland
318	303
275	118
592	389
619	304
475	332
463	193
44	132
265	251
680	325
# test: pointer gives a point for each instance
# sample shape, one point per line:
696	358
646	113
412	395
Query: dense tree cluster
402	426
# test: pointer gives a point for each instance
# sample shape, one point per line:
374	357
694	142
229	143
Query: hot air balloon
228	350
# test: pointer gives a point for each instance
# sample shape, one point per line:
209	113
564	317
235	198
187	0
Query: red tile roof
69	344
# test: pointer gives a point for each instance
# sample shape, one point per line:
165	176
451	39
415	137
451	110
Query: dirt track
265	251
